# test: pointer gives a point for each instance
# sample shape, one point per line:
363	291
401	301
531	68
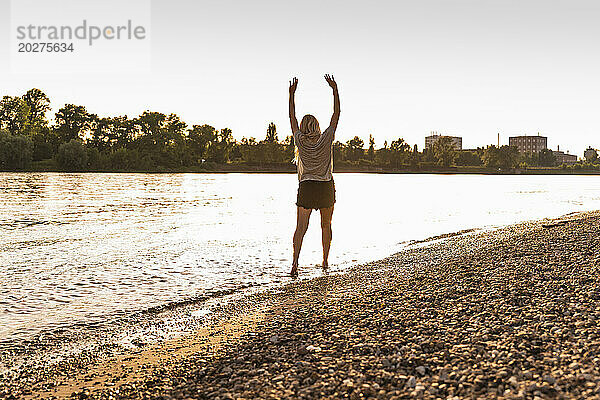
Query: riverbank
509	313
340	167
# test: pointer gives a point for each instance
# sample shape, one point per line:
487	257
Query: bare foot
325	265
294	271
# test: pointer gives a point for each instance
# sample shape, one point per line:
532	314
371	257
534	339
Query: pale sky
404	68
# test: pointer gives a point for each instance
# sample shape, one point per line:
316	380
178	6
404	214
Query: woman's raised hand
331	81
293	85
336	102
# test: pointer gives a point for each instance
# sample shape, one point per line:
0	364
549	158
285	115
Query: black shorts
316	194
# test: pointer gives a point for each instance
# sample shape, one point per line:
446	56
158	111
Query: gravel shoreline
509	313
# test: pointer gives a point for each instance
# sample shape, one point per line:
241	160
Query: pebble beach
508	313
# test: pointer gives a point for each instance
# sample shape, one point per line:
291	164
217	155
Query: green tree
592	156
72	156
219	148
398	152
199	137
102	135
151	136
15	151
236	153
123	159
160	135
468	158
175	130
39	105
339	151
14	113
444	152
270	150
288	145
371	151
399	146
124	131
428	156
383	154
509	157
547	158
45	141
415	157
179	155
120	160
354	149
112	133
72	122
491	157
45	144
249	150
505	157
174	151
271	134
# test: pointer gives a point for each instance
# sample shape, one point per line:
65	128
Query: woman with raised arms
314	159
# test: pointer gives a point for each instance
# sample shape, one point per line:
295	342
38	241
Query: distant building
528	144
434	137
590	154
564	158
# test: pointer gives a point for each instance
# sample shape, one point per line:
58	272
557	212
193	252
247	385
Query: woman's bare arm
293	120
336	102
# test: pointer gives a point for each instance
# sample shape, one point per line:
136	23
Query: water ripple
79	250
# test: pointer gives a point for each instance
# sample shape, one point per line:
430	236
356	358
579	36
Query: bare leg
326	214
301	227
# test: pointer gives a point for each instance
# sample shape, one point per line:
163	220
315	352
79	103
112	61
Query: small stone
587	377
444	375
421	370
532	387
411	382
348	383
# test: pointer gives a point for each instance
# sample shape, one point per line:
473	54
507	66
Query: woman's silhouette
314	157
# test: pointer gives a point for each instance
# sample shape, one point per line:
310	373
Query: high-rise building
529	144
434	137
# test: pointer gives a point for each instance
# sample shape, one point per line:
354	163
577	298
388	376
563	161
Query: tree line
78	140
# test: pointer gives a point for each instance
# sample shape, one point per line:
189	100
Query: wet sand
510	313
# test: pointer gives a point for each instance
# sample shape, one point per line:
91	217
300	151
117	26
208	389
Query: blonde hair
309	126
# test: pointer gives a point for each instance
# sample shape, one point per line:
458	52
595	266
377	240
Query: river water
82	249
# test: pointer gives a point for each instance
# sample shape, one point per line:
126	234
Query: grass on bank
50	165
